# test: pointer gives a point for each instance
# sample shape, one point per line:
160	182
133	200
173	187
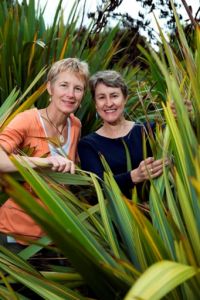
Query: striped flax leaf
172	204
86	214
30	101
68	178
65	229
188	56
86	262
8	292
8	106
122	218
59	276
159	218
58	209
47	289
111	235
86	211
128	158
8	257
168	52
159	280
31	250
186	165
188	214
179	147
185	256
150	236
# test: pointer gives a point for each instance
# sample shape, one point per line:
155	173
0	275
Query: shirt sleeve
90	161
13	135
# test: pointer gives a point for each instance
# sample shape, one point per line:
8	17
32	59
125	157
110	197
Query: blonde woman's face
66	91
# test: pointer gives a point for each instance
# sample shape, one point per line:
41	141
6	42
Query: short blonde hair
69	64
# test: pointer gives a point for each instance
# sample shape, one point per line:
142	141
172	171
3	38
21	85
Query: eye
115	95
79	88
100	97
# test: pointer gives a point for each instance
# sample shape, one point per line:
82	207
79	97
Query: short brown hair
109	78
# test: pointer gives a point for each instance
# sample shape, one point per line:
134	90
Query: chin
69	110
111	119
111	122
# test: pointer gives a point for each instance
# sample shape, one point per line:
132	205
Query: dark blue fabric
113	150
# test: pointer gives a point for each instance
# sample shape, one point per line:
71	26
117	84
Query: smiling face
110	103
66	92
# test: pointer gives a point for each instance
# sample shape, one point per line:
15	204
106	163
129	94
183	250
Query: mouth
110	110
68	102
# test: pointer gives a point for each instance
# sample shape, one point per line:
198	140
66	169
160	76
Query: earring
50	99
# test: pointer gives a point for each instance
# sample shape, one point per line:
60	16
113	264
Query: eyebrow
103	94
100	94
78	84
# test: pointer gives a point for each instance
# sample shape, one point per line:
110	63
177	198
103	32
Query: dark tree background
106	11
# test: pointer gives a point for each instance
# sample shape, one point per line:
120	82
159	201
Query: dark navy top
113	150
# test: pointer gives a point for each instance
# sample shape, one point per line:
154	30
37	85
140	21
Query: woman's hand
148	168
62	164
187	103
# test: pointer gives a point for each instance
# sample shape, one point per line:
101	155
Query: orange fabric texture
26	130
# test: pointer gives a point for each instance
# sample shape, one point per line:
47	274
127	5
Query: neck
58	118
117	129
115	125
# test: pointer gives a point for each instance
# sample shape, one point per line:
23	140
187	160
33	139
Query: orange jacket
26	130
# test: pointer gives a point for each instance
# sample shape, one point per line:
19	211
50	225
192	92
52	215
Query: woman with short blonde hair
52	134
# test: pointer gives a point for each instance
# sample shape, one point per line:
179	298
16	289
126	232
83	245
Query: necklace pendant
61	139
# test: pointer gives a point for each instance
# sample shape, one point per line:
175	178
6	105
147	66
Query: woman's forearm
6	164
55	163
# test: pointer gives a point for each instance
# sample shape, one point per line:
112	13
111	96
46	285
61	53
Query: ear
49	88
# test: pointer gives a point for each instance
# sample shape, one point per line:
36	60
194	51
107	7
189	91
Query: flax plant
109	264
175	210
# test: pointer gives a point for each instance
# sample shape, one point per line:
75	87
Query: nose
70	92
108	101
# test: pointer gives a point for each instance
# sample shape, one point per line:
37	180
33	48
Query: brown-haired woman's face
66	91
110	103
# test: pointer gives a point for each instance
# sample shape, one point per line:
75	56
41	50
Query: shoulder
144	126
92	141
29	113
24	118
87	139
139	130
136	128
